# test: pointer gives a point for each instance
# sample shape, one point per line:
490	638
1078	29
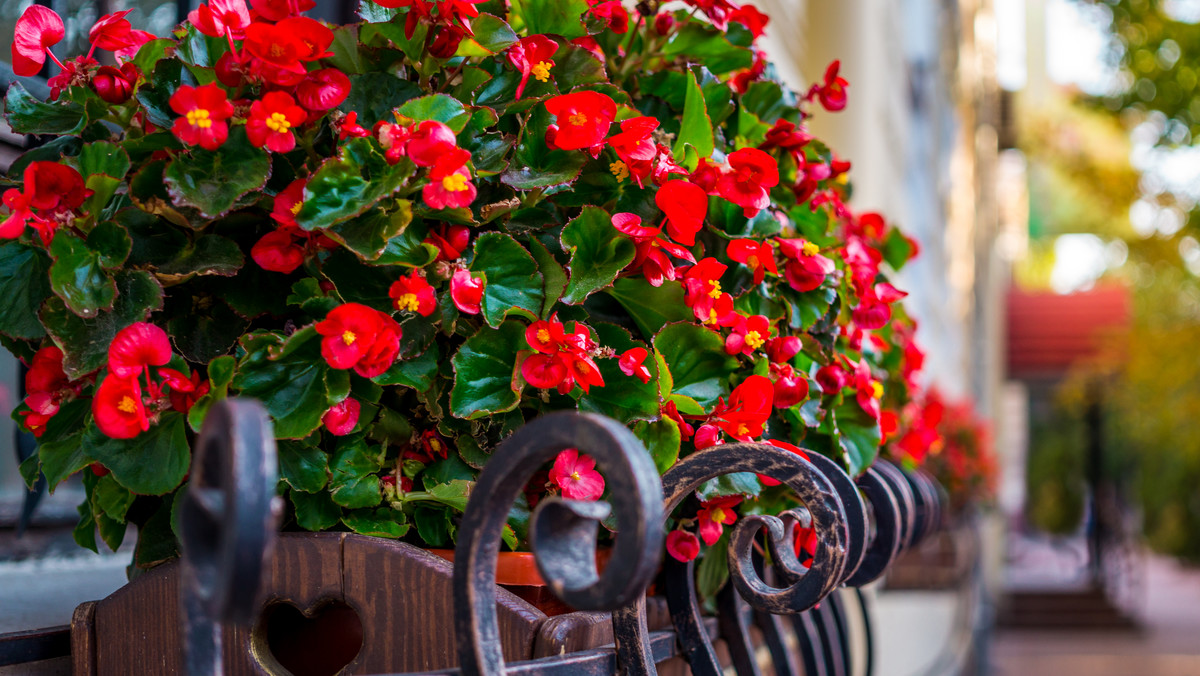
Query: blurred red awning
1049	332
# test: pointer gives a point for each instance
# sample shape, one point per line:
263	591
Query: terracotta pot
517	572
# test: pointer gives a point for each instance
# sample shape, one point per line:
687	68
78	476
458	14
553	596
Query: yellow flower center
543	336
276	50
127	405
577	119
712	316
876	389
408	302
296	208
575	476
754	339
753	263
278	122
348	337
810	249
541	71
714	289
742	429
717	514
581	367
620	170
435	445
199	118
454	183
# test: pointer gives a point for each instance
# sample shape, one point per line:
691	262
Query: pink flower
682	545
466	292
342	417
575	473
631	363
714	515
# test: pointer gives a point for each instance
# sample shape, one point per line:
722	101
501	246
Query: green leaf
112	498
289	381
27	115
417	373
599	252
434	526
373	13
212	181
202	326
808	307
155	93
315	511
60	459
112	242
358	283
575	66
440	107
150	53
623	397
152	463
348	185
696	129
553	274
697	361
534	165
85	531
85	342
858	435
897	249
102	165
484	382
557	17
346	56
77	277
453	494
662	439
713	570
651	307
24	285
737	483
375	95
444	471
409	248
384	522
220	374
514	284
354	483
369	235
208	255
702	43
304	468
492	36
51	151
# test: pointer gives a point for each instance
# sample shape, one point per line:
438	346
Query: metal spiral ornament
562	533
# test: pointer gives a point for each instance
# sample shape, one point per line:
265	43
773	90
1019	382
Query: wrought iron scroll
562	534
228	518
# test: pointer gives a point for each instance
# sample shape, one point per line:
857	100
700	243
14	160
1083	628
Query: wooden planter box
331	600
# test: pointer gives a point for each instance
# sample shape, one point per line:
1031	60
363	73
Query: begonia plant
410	235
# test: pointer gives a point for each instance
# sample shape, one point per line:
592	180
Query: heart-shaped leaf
212	181
77	277
152	463
514	284
348	185
24	285
599	252
696	357
483	372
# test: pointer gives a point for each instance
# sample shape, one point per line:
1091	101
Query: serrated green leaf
662	439
77	277
208	255
353	483
24	285
697	361
369	235
483	372
348	185
556	17
290	385
704	44
315	511
651	307
212	181
112	242
555	278
625	398
152	463
514	284
304	468
384	523
440	107
374	95
417	373
492	35
27	115
599	252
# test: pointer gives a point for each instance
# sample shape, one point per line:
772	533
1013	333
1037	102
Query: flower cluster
409	236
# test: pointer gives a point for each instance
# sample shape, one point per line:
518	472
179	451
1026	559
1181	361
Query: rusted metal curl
562	534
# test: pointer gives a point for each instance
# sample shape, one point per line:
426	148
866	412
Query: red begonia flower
271	121
786	135
631	225
749	16
768	481
19	214
116	86
118	408
75	72
52	187
323	90
350	128
546	336
450	185
204	111
45	372
783	348
38	29
275	45
832	93
137	346
589	43
581	120
749	334
466	292
758	256
614	14
682	545
703	279
749	407
114	33
634	141
314	37
278	10
288	202
632	363
342	417
707	436
545	371
413	294
714	515
359	337
752	174
185	393
221	16
791	387
670	410
531	56
430	447
685	206
806	269
393	138
450	240
279	251
707	175
583	370
867	390
831	378
575	473
429	142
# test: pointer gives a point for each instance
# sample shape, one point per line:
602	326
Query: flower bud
112	85
707	435
664	23
791	388
782	349
445	43
831	378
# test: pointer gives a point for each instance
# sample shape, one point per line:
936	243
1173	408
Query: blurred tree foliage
1158	46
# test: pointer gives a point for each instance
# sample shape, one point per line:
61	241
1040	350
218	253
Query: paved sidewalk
1168	645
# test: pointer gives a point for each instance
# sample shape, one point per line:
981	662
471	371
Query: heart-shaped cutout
320	641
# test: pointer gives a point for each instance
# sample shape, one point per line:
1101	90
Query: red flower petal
137	346
342	417
682	545
38	29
